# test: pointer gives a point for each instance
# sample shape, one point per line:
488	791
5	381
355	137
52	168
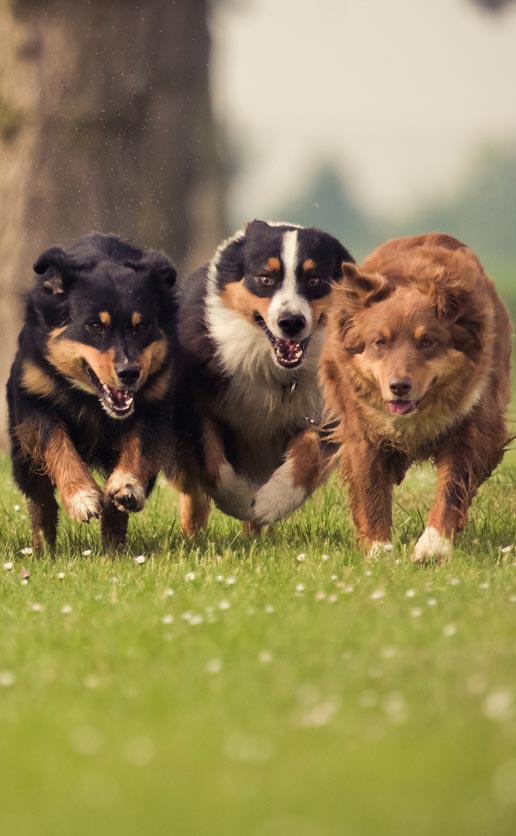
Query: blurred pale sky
400	93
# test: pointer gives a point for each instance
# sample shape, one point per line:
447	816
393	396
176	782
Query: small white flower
320	596
213	666
7	678
196	620
368	573
300	557
230	581
60	575
395	707
168	592
140	558
36	607
498	705
25	582
388	652
190	576
8	565
86	552
269	609
300	587
416	612
187	616
333	598
26	550
454	582
319	715
377	595
449	630
220	578
16	507
388	547
348	589
484	585
334	577
66	609
410	593
224	605
512	599
167	619
325	557
265	657
431	602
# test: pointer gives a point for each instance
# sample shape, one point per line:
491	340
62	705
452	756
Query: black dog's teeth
116	402
289	353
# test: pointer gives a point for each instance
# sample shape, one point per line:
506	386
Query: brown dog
416	366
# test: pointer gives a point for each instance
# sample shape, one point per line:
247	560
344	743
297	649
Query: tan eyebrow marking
105	318
419	332
308	264
273	263
136	318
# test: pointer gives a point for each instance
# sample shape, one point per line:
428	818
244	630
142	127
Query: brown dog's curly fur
416	366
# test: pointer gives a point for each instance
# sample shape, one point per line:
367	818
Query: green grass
287	697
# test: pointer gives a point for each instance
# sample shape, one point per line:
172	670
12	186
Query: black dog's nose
291	324
128	375
400	386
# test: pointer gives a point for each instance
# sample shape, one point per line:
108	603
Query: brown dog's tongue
401	407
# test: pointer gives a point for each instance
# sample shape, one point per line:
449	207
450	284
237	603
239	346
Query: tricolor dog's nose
291	324
128	375
400	386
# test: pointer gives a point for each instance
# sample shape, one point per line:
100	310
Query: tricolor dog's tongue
288	351
401	407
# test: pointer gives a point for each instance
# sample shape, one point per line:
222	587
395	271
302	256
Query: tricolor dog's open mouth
118	403
288	353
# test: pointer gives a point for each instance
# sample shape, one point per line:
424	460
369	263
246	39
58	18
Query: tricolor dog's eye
266	281
314	281
95	326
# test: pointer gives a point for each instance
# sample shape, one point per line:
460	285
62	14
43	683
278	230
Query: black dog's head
105	309
279	278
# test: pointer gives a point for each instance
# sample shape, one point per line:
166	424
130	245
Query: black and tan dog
89	383
251	326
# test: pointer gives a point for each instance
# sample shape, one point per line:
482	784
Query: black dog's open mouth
118	403
288	353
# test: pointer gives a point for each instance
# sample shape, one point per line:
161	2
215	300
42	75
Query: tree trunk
105	124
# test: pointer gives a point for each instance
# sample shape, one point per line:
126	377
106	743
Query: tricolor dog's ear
56	269
343	258
229	262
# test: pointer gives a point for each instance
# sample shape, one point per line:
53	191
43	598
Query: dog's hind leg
194	510
113	525
43	514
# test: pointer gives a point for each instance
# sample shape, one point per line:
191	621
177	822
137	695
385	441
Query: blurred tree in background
493	5
105	123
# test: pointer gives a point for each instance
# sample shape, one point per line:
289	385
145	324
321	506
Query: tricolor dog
89	383
251	326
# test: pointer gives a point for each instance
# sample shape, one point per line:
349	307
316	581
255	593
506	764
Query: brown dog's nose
400	386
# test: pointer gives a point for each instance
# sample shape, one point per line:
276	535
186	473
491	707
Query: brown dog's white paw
84	504
125	491
432	546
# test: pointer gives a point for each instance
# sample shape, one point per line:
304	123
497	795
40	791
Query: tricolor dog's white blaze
287	300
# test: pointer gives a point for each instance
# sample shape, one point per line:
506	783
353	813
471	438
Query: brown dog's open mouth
118	403
288	353
401	407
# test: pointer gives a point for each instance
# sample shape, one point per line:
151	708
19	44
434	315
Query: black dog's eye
96	326
142	326
314	281
266	281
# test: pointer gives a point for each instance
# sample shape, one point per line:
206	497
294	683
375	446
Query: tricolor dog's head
105	309
278	278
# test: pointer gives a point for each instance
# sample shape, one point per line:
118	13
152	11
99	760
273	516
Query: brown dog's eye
380	342
426	342
266	281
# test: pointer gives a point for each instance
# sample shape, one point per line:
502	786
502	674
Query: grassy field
272	688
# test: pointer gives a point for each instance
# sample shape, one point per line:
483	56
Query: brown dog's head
412	331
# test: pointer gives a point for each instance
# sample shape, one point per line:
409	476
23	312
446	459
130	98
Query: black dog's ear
157	266
56	268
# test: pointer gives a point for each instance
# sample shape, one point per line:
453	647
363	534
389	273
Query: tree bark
105	124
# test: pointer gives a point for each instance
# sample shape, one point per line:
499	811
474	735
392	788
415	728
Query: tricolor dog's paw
125	491
432	546
233	493
278	498
84	504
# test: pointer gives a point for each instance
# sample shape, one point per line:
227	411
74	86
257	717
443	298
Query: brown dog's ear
362	289
466	319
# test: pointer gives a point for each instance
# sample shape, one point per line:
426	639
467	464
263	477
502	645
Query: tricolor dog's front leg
306	465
